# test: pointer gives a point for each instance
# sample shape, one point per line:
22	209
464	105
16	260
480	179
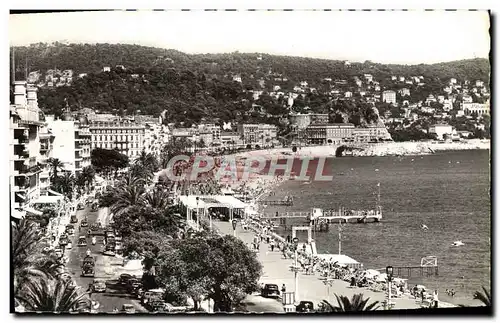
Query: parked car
156	306
70	229
124	278
84	223
69	245
80	207
152	295
58	252
171	308
74	219
128	308
270	290
63	240
99	286
82	241
305	307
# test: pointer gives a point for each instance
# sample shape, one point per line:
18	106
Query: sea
448	191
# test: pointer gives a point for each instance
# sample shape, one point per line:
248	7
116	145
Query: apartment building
261	135
71	143
125	136
24	148
332	133
389	97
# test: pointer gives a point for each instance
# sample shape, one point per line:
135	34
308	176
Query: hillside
194	88
87	58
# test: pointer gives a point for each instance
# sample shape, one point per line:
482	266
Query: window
130	137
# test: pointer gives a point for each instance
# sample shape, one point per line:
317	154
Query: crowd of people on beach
329	269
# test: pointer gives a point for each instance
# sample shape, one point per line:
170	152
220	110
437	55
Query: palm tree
65	184
484	296
157	199
147	160
55	296
355	304
126	197
55	165
27	260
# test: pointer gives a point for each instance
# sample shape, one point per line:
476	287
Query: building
126	136
24	148
106	69
389	97
214	130
348	94
329	133
404	92
401	79
71	143
261	135
441	131
479	83
479	108
453	81
230	139
301	121
237	78
368	78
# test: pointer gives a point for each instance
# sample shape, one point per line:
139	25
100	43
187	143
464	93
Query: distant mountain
91	58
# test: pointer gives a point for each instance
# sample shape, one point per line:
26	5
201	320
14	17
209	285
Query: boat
457	243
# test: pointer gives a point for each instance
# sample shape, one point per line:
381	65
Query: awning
48	199
207	201
18	214
21	195
33	211
54	192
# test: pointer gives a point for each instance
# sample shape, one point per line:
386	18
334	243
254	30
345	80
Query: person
94	240
268	239
283	289
88	252
422	294
435	298
415	291
272	245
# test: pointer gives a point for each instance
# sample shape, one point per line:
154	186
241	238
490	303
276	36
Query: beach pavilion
227	205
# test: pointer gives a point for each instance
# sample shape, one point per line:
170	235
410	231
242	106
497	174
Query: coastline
407	148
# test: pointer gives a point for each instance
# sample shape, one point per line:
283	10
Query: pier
320	217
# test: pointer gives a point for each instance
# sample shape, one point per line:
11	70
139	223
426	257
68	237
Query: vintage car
128	309
82	241
84	223
88	267
99	286
270	290
74	219
70	229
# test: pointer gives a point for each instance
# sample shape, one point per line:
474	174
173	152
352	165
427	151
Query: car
70	229
137	292
84	223
128	308
80	207
171	308
109	252
124	278
74	219
134	286
99	286
157	306
305	307
270	290
63	241
82	241
69	245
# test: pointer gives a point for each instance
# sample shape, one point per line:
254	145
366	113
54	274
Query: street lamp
389	271
197	213
295	244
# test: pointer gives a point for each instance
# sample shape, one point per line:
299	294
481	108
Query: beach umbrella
370	273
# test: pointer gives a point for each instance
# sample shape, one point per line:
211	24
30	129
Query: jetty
287	201
320	216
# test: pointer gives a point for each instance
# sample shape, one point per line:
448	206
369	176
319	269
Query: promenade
276	270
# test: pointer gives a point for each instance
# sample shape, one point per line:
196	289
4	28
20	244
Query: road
115	295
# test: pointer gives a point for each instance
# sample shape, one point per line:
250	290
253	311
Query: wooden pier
287	201
330	217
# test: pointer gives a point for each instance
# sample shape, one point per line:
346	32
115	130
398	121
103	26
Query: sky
398	37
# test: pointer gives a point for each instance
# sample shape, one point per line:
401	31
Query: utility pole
340	237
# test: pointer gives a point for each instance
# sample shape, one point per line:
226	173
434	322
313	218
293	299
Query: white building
368	78
237	78
348	94
71	143
125	136
441	130
479	83
479	108
389	97
24	148
404	92
453	81
106	69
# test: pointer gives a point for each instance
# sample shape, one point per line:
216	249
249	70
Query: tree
222	267
27	259
355	304
484	297
54	296
55	165
126	197
105	160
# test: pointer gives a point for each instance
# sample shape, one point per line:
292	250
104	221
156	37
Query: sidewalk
276	270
